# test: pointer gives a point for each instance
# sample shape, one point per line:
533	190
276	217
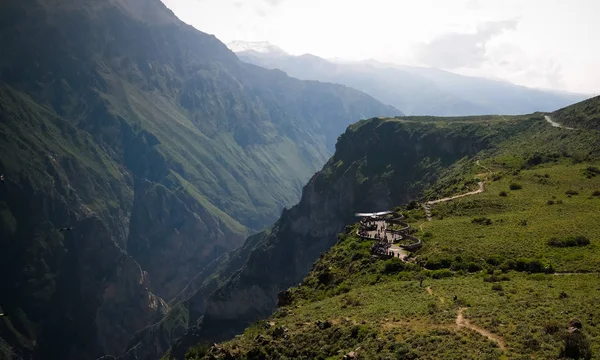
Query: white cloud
553	43
456	50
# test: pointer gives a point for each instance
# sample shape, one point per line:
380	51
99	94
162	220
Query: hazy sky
539	43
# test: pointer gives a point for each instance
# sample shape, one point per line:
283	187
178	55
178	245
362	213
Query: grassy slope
378	306
585	115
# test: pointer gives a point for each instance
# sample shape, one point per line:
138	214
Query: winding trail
462	322
555	124
478	191
428	204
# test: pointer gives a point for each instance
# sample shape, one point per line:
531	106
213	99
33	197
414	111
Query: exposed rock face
124	303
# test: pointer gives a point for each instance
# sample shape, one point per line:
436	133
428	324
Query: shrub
432	308
552	327
473	267
550	202
571	192
393	266
559	202
439	263
348	300
497	287
503	194
571	241
496	278
524	264
494	260
515	186
342	289
198	352
482	221
593	169
596	193
591	172
440	274
563	295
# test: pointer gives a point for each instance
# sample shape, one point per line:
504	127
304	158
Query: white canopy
373	214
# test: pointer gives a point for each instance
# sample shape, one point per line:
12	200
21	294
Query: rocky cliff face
378	164
115	287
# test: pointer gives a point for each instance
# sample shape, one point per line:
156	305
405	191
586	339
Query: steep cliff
500	273
157	144
378	164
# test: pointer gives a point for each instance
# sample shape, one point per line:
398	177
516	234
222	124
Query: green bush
526	265
571	241
437	263
440	274
197	352
496	278
552	327
393	266
342	289
596	193
503	194
550	202
591	172
571	192
494	260
482	221
515	186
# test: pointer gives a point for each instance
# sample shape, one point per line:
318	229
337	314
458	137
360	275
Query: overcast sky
539	43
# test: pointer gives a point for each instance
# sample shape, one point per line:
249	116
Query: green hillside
581	115
502	274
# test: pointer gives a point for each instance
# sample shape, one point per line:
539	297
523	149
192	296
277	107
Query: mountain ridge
418	90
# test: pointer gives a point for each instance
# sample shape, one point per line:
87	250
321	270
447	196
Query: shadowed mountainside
156	144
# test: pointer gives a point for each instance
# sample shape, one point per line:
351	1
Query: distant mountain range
414	90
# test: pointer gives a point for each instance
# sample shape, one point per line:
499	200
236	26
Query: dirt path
478	191
462	322
428	204
555	124
573	274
